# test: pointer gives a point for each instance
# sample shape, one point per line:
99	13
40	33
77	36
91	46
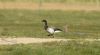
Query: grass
21	23
54	48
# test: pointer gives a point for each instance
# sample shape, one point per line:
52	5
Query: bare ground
48	6
10	41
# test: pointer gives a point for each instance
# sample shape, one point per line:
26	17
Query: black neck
45	25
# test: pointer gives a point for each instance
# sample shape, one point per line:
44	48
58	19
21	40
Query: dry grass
47	6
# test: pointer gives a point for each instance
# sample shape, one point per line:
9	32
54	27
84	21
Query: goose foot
51	35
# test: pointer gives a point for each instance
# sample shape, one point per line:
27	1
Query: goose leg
51	35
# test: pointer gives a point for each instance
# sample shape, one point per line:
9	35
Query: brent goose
50	30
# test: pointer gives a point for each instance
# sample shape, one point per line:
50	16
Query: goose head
44	20
45	24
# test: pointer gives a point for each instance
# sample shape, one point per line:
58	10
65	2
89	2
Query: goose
50	30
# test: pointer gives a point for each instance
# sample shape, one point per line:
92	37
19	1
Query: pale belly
50	30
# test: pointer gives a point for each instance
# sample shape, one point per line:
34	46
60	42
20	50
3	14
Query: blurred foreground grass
53	48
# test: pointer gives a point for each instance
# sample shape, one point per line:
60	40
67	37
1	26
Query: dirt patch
10	41
48	6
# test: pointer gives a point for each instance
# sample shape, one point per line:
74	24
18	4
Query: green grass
20	23
54	48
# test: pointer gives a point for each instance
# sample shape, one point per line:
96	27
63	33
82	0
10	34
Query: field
21	23
53	48
79	19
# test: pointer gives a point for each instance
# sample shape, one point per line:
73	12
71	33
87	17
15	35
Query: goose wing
57	29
